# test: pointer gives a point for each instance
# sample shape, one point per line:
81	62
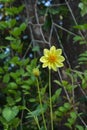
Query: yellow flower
52	58
36	72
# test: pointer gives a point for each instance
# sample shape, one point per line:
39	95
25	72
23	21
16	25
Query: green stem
35	118
51	112
41	105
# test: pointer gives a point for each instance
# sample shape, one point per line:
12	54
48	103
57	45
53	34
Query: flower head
52	58
36	72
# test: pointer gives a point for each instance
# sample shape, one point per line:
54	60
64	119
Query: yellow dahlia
52	58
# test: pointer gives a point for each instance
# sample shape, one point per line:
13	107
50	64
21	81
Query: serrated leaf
10	113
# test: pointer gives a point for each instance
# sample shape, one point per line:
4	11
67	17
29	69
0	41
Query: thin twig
64	29
37	19
64	87
74	18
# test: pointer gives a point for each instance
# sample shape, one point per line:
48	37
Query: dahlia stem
41	105
51	112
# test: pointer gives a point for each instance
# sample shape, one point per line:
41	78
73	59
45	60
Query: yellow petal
43	59
61	58
53	49
59	64
44	65
46	52
59	51
54	67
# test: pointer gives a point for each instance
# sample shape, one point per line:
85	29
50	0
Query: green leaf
23	26
36	49
77	38
83	7
10	38
67	106
34	113
17	45
79	127
43	90
11	23
14	10
58	82
6	1
68	125
6	78
38	111
32	100
59	113
27	87
10	101
15	122
1	70
83	42
10	113
83	59
15	60
81	27
62	109
16	32
56	95
71	121
4	55
86	128
12	85
73	115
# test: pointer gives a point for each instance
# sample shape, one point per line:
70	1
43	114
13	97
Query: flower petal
43	59
46	52
59	64
49	66
59	51
44	65
52	49
54	67
61	58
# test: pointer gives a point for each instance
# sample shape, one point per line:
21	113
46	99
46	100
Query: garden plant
43	65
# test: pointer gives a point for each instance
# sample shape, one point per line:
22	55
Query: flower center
52	58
